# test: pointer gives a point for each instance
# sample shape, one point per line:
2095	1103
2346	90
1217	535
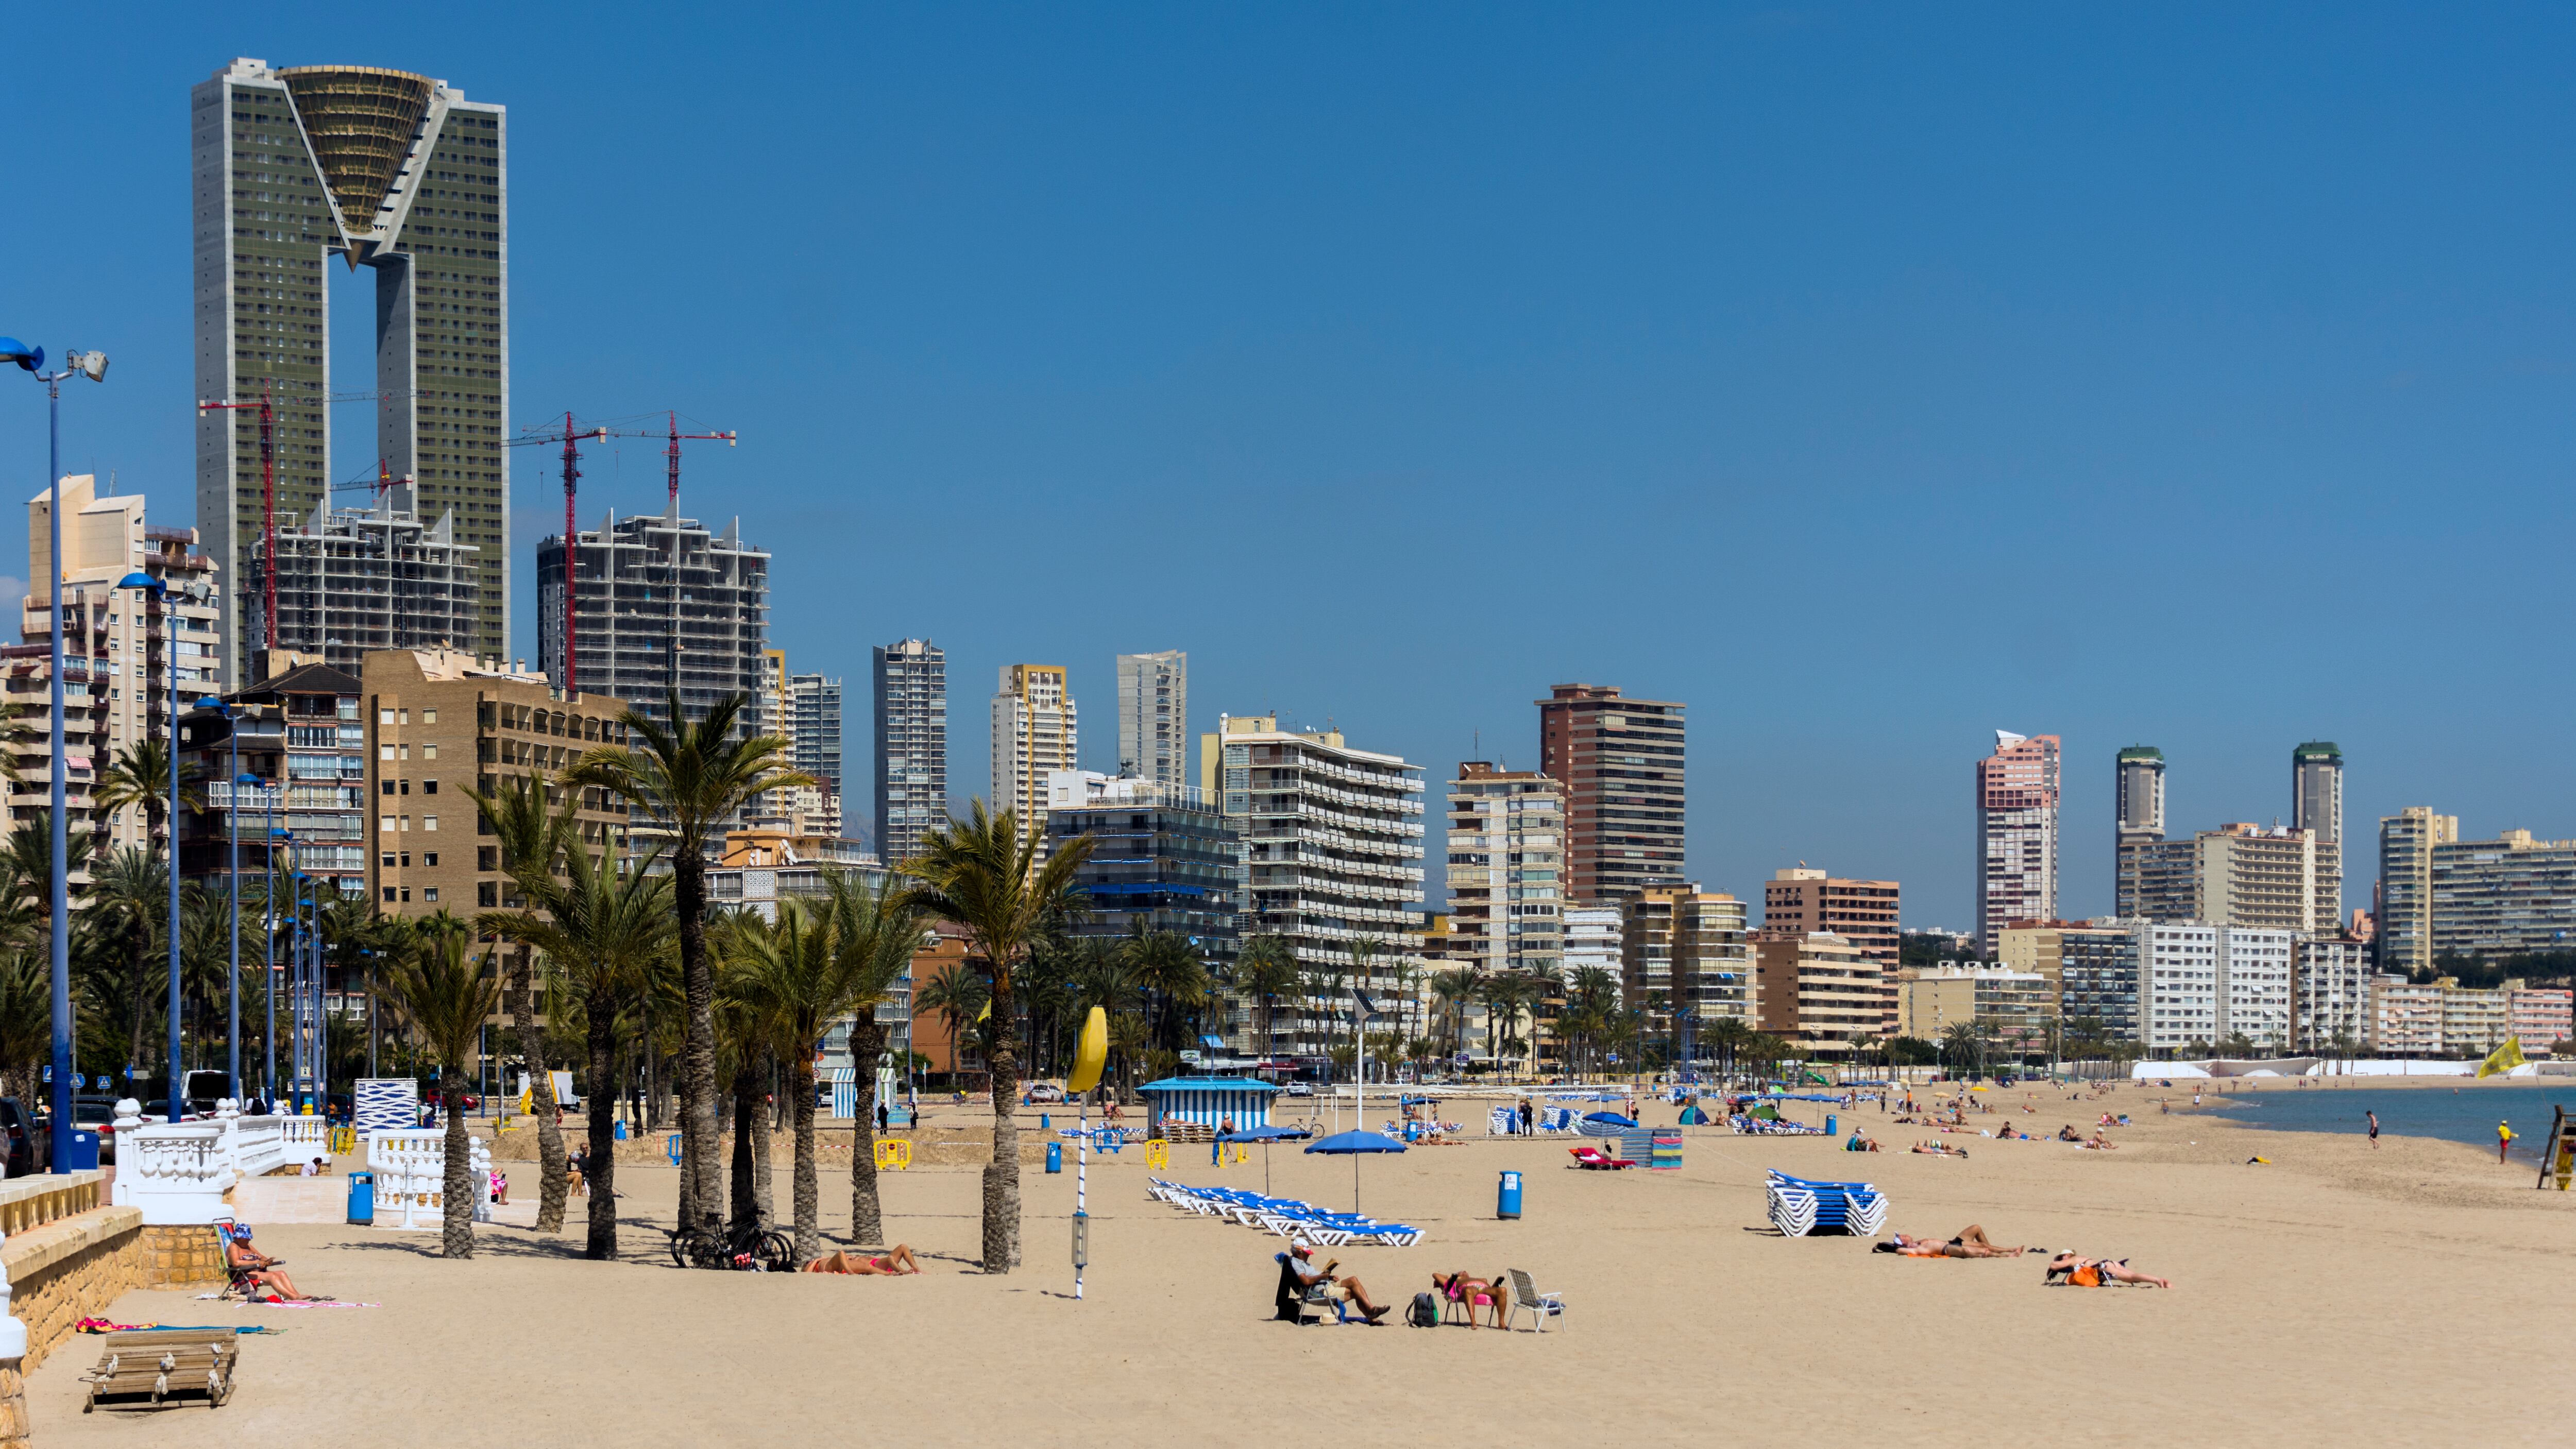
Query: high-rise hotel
381	168
2017	790
1621	762
911	765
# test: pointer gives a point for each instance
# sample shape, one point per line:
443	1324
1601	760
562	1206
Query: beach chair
1799	1208
1594	1157
1525	1294
164	1362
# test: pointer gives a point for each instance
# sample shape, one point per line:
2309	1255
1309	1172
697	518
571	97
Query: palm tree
604	931
984	874
26	1020
140	775
530	841
693	778
31	856
1164	964
1265	971
1965	1042
874	936
445	997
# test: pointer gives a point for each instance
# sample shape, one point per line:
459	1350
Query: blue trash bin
621	1129
362	1198
1055	1157
1043	1124
84	1152
1507	1196
1831	1124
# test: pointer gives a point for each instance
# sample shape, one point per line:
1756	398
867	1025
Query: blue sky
1866	377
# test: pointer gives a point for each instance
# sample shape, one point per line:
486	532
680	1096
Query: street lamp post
92	365
232	890
159	590
268	947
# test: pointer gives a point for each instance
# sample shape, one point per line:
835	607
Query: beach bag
2087	1276
1425	1312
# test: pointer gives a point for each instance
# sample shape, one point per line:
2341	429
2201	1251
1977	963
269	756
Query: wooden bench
163	1362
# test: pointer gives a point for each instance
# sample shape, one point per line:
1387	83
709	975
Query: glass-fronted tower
911	746
2316	804
381	168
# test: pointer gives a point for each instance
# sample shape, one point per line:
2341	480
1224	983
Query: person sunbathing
2101	1143
2068	1133
1940	1149
2082	1272
1473	1292
1971	1242
894	1262
256	1269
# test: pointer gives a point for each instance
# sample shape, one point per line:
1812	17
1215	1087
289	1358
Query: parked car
30	1150
1300	1089
1045	1092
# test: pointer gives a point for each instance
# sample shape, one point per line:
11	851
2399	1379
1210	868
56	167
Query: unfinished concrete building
659	601
354	580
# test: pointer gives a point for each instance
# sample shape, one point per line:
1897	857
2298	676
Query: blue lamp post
159	590
232	891
92	365
268	949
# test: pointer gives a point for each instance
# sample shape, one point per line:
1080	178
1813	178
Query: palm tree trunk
764	1203
1002	1174
809	1191
699	1204
531	1027
745	1205
601	1180
867	1041
457	1235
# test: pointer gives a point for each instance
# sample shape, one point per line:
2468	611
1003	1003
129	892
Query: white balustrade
410	1164
179	1173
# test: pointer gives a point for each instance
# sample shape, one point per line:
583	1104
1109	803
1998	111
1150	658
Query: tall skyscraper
1154	717
814	714
390	170
2139	820
1034	731
771	700
1621	762
911	746
661	602
2017	791
2316	805
2406	842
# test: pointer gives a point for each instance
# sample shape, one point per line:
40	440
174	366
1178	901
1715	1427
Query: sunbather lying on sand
2082	1272
1971	1242
2101	1143
894	1262
1940	1149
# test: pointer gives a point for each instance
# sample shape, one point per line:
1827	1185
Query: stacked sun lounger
1771	1127
1286	1217
1799	1207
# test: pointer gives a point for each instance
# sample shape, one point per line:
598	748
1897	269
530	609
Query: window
384	752
429	752
389	895
487	893
429	787
430	860
402	716
388	786
429	716
429	893
429	822
385	823
387	862
385	717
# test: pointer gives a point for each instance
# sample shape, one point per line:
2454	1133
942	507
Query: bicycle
747	1248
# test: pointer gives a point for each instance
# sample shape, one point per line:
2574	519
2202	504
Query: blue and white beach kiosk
1209	1102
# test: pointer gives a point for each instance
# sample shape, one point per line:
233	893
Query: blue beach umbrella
1352	1144
1265	1136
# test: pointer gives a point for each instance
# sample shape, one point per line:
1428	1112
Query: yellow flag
986	1014
2504	1059
1091	1054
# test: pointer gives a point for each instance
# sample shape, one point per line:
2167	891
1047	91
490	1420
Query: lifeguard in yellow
2504	1140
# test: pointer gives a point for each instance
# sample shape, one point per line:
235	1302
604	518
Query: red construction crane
730	440
570	435
377	485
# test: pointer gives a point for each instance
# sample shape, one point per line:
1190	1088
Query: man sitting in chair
1297	1274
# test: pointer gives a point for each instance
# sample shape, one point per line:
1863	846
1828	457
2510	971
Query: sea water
2468	1114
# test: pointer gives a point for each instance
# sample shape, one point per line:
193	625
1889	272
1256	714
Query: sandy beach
2412	1294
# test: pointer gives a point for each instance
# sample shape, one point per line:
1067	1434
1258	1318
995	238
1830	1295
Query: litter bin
1055	1157
84	1152
621	1129
1043	1124
1831	1124
362	1198
1507	1197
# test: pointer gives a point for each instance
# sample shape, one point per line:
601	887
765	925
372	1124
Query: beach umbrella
1352	1144
1265	1136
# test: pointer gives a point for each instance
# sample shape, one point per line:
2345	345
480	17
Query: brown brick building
1620	761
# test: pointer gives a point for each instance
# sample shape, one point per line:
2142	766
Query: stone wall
183	1257
70	1269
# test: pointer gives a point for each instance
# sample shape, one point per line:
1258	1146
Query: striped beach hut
1209	1101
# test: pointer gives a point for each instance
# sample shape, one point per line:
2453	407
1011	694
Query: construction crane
266	407
570	435
377	485
730	440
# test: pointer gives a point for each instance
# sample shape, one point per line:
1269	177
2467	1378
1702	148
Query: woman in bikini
1971	1242
2082	1272
1472	1292
893	1263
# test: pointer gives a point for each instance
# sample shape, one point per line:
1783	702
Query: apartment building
2201	984
1593	941
1154	716
2405	911
2138	781
2332	982
121	649
911	784
763	867
1622	764
1506	871
2406	1019
1163	858
2247	875
2017	805
2475	1023
2098	977
1820	993
1682	949
350	580
662	603
1332	841
438	720
2542	1017
1862	912
2503	897
2019	1007
2443	1019
1036	731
